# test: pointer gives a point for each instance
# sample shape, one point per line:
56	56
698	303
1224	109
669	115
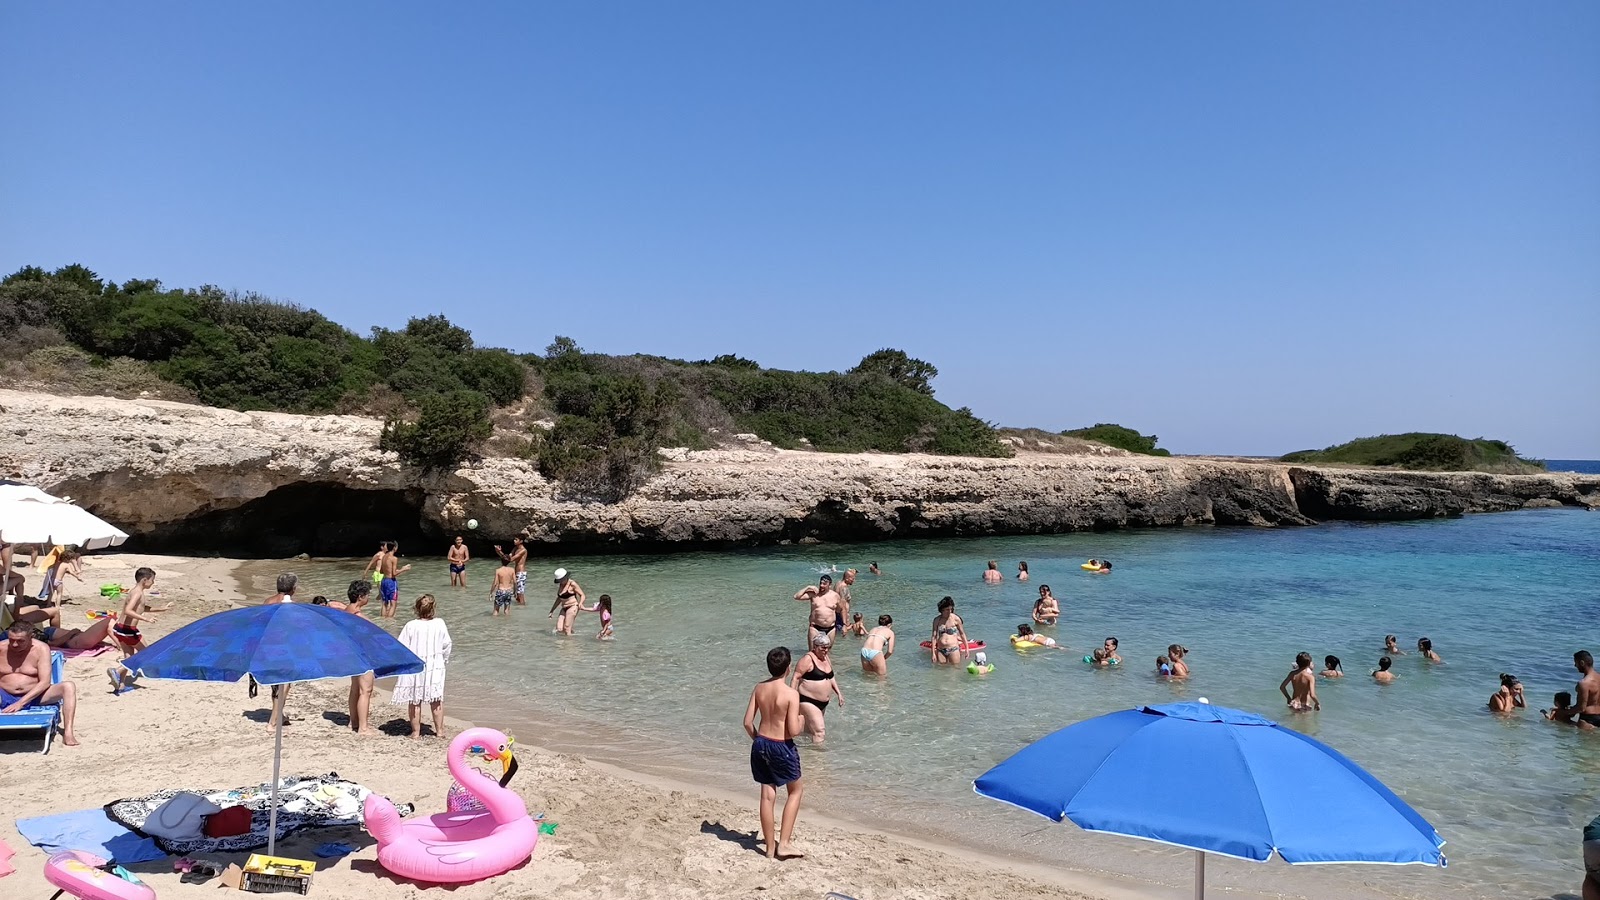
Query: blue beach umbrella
1214	780
277	644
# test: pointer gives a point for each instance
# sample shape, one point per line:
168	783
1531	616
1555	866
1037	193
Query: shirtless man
126	629
774	761
389	587
360	685
825	611
1304	681
1588	689
25	680
504	588
843	590
372	571
518	560
457	558
15	582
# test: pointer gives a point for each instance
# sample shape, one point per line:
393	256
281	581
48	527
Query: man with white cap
569	596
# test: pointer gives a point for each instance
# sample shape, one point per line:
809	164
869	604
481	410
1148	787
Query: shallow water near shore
1512	592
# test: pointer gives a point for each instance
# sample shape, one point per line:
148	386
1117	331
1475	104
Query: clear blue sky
1246	227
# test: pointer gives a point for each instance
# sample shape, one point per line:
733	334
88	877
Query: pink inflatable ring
83	875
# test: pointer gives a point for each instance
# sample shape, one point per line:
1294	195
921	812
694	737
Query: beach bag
183	818
233	821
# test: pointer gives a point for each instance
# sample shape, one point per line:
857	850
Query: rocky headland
182	477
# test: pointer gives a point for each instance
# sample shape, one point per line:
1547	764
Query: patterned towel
304	801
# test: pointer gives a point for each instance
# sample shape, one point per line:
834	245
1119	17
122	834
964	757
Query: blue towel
91	831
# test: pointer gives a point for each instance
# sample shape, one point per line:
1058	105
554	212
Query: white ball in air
472	523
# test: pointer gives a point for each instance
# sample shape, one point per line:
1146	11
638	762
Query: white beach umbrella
27	521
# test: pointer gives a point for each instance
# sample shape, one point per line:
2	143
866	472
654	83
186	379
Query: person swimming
1098	566
1391	646
1381	674
1025	632
1111	652
1163	667
1331	667
856	627
1175	655
992	575
1425	647
1099	658
1509	697
1022	571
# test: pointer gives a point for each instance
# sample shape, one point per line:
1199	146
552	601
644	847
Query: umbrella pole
1199	875
277	759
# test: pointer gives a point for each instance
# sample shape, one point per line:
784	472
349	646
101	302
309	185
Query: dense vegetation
1118	436
1420	450
441	395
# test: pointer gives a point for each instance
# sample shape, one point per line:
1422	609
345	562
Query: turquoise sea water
1513	592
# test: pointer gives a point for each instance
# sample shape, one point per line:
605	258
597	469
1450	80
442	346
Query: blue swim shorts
7	698
389	590
774	762
457	568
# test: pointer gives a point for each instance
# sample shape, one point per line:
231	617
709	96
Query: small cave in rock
320	519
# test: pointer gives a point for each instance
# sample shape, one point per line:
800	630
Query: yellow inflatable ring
1021	644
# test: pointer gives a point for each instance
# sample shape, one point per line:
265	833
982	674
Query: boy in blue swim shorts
774	761
389	585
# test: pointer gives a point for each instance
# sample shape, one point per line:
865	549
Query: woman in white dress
429	639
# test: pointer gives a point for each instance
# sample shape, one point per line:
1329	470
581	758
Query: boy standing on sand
774	761
126	630
504	588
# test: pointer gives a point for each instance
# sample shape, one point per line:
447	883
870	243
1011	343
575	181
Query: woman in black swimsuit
813	678
569	597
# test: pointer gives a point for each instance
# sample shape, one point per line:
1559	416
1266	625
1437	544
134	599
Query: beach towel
91	831
5	858
92	651
304	801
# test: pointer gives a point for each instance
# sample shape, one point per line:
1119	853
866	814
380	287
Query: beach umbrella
28	520
277	644
1214	780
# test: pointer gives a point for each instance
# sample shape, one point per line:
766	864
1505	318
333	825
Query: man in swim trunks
1588	689
843	590
389	587
519	562
504	588
774	760
25	679
457	557
373	563
825	612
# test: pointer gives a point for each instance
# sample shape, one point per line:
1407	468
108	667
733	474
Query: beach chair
46	716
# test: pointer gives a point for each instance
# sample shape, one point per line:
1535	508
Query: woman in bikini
813	678
949	635
569	598
878	647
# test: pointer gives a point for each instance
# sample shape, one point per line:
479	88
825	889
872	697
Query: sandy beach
619	834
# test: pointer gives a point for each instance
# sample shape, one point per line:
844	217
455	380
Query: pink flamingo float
458	847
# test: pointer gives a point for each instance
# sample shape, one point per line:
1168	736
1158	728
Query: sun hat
561	575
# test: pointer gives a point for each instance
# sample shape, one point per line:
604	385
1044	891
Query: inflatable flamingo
458	847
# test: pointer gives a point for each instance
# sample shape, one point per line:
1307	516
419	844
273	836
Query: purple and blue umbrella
276	643
1214	780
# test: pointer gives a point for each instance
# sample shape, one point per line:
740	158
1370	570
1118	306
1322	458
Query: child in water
1163	667
1565	712
1025	632
857	626
1425	647
1100	657
1331	667
603	607
1381	674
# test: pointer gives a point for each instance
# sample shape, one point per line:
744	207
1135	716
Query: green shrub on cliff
1423	451
446	430
1118	436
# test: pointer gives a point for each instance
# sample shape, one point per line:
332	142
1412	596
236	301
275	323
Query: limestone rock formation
191	477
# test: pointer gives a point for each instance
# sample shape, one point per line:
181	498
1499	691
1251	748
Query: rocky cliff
196	478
